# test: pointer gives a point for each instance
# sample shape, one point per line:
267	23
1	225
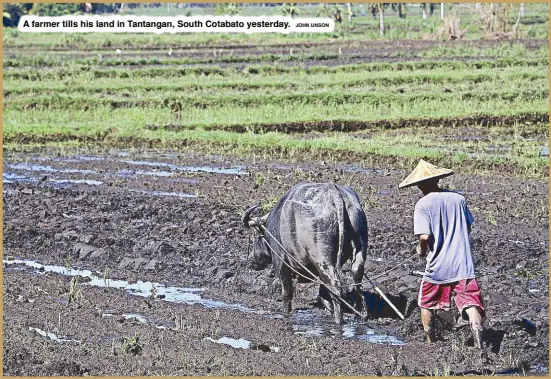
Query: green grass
317	81
258	103
402	150
87	72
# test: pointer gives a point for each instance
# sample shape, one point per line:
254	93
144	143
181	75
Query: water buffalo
320	225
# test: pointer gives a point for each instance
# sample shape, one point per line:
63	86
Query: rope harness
317	280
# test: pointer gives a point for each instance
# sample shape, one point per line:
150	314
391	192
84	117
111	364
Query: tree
400	8
12	12
53	9
520	13
230	9
331	12
289	9
381	19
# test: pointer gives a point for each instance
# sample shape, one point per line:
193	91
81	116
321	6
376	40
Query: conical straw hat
424	171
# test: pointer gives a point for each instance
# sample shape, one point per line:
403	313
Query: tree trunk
349	5
401	10
520	13
442	11
521	9
492	18
122	8
381	19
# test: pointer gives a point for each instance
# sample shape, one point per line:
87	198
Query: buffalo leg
357	274
333	278
325	297
287	290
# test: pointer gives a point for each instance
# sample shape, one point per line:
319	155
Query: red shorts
438	296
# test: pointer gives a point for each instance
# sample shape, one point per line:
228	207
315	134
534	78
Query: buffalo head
259	257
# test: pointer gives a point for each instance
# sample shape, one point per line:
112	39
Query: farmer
443	222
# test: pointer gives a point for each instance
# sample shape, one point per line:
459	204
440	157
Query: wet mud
106	273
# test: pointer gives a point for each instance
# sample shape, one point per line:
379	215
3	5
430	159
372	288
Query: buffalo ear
246	219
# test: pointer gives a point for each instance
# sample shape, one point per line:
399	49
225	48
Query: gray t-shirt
445	216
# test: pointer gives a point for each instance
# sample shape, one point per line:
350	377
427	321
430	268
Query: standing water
305	322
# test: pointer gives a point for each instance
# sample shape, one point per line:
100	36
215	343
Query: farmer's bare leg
477	327
427	318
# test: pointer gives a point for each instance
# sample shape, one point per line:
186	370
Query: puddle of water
539	368
242	343
33	167
306	322
236	343
135	316
142	319
162	193
148	173
11	177
533	286
377	259
78	158
51	336
76	181
228	171
180	295
309	323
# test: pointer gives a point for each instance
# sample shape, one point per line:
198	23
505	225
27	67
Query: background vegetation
475	92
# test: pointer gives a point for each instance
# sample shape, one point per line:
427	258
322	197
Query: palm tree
289	9
331	12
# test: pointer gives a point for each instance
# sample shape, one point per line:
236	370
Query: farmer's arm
422	228
469	217
424	244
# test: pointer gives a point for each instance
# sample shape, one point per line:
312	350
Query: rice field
130	158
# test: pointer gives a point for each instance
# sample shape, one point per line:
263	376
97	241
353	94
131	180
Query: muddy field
163	287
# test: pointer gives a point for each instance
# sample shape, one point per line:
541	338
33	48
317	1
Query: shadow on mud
376	305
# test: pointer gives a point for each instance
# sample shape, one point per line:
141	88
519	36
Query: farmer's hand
423	247
419	251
